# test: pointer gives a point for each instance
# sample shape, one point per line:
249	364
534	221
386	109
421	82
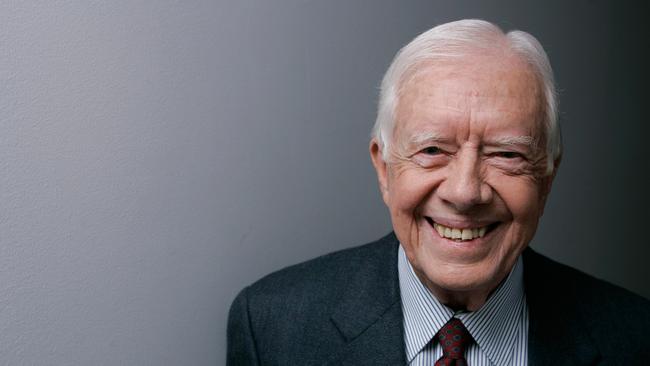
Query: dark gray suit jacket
344	309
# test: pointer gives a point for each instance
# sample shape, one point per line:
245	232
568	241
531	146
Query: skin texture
467	151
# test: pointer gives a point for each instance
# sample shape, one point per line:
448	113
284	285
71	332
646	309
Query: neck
468	300
461	301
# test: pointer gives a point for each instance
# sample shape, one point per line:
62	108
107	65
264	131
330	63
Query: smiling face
464	181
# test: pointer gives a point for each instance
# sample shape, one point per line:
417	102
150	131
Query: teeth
440	229
459	234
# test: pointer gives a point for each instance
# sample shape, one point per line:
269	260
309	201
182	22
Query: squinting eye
431	150
508	154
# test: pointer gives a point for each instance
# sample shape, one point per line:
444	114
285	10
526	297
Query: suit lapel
556	335
369	316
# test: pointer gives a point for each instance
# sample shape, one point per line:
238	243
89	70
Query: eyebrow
527	141
426	138
423	138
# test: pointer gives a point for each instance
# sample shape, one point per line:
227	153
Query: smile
460	234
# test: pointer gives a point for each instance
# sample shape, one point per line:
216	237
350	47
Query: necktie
453	338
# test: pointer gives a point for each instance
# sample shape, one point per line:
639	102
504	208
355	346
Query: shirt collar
494	326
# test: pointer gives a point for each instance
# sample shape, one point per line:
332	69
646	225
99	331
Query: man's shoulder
326	273
290	313
569	282
600	305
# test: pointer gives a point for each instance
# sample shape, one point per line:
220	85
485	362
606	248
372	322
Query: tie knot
453	338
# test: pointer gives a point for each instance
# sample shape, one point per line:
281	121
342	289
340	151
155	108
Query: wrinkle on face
483	119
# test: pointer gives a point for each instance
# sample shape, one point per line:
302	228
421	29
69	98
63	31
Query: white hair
454	40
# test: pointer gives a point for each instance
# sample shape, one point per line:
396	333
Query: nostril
464	195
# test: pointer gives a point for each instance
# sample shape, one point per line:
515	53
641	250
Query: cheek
523	200
409	190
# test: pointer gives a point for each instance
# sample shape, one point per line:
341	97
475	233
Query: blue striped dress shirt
499	327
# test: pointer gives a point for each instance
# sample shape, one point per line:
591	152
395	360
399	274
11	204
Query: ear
376	154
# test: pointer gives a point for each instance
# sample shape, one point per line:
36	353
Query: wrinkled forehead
488	87
490	74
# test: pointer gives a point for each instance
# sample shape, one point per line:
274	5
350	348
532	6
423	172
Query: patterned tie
453	338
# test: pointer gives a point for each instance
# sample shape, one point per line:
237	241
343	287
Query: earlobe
376	155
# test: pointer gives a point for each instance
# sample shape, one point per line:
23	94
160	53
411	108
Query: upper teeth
462	234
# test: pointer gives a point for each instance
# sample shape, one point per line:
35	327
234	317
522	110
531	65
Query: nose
464	187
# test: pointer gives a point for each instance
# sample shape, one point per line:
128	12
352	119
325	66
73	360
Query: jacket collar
556	334
369	315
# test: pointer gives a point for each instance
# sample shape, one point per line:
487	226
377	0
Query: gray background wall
157	156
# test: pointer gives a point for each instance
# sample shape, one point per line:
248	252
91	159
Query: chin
462	278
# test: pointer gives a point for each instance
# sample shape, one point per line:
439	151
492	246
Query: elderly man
466	145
